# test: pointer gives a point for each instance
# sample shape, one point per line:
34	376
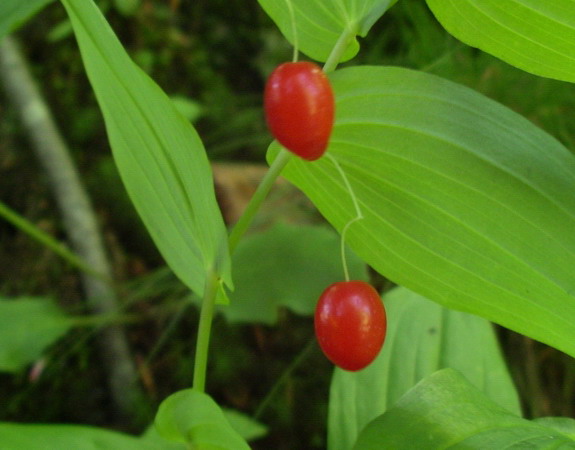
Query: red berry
350	324
299	107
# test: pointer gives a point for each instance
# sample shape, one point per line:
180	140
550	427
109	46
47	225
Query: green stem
48	241
293	30
259	196
303	355
208	303
212	282
339	48
358	214
283	157
204	329
102	320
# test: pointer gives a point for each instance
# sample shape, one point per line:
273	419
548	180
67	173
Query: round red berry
299	108
350	324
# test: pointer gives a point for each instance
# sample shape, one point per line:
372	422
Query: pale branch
78	217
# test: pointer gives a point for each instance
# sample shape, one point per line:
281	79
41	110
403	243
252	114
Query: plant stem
48	241
293	30
242	225
283	157
300	358
262	191
212	282
357	217
339	48
204	329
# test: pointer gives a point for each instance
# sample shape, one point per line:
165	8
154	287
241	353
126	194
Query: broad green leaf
422	337
245	426
27	327
565	425
15	436
465	202
192	417
446	411
320	23
152	437
536	36
14	13
287	265
160	157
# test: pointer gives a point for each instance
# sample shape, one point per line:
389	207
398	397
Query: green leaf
536	36
465	202
422	337
287	265
245	426
187	107
127	7
14	13
192	417
58	437
27	327
320	23
152	437
565	425
160	157
446	411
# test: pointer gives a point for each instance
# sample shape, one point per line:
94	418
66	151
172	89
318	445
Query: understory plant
468	207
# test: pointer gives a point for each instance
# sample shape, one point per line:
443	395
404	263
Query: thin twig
78	217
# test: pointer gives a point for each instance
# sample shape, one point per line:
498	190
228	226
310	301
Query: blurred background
212	57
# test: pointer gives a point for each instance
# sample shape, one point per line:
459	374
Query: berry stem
242	225
293	30
257	199
343	254
204	330
357	217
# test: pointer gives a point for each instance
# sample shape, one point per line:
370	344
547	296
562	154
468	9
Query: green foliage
58	437
14	13
27	327
536	36
465	202
160	157
153	438
446	411
245	426
127	7
192	417
422	337
188	108
319	23
565	425
287	265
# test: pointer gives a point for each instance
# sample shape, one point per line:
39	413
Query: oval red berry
299	108
350	324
